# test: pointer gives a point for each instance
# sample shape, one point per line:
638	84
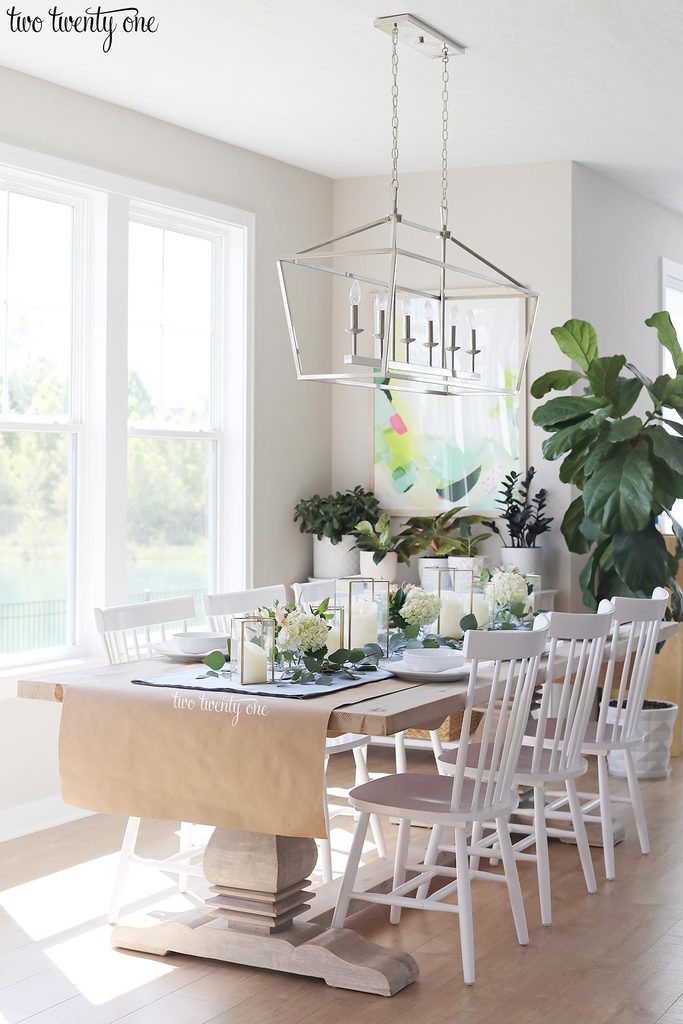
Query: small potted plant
331	521
466	555
436	537
380	549
526	521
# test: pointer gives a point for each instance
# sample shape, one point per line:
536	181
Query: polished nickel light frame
385	368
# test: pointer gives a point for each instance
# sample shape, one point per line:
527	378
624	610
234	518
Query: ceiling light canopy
425	313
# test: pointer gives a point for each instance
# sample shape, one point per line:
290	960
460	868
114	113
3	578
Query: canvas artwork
431	453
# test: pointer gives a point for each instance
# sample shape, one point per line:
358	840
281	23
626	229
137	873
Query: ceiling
308	81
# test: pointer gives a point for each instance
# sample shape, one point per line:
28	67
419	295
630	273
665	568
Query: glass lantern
252	650
365	606
455	588
534	581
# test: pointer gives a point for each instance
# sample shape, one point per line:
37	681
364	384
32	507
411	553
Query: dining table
254	873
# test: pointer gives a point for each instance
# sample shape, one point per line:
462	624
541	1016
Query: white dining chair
472	794
551	750
638	621
310	595
219	609
129	633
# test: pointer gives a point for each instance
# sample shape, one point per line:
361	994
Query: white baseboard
34	817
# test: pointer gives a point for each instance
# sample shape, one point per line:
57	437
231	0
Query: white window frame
106	201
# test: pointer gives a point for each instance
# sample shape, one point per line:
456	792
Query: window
40	409
174	365
124	376
672	279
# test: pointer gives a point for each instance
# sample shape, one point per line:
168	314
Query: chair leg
581	836
346	888
430	857
542	858
130	837
462	865
362	776
400	745
512	879
477	836
606	817
637	802
437	747
185	844
400	861
324	843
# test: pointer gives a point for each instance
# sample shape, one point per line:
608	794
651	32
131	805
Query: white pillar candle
451	614
363	623
333	640
254	668
481	610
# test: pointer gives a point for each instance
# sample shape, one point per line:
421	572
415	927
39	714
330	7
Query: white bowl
431	659
199	643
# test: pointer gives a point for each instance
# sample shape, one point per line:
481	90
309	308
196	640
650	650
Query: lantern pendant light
425	312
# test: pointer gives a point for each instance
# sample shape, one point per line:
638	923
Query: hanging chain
394	115
444	138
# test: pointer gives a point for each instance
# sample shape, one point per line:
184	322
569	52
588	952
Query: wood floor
612	958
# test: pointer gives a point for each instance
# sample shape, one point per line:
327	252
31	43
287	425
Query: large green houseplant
628	468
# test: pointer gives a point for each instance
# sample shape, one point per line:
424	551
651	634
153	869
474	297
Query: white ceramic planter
473	564
651	757
527	560
436	563
333	561
384	570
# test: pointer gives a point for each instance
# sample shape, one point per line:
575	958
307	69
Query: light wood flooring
612	958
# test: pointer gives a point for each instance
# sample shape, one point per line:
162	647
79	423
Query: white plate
171	651
446	675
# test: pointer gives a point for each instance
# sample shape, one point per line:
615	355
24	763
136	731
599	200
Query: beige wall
519	217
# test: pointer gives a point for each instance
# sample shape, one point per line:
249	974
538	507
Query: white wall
519	217
293	208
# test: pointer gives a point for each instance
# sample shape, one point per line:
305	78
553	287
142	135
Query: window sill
10	676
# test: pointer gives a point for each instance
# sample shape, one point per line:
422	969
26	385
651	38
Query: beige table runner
253	764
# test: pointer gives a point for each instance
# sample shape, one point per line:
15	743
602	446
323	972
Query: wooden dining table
252	872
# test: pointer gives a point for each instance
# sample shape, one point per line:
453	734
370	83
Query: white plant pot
433	563
333	561
652	756
474	563
527	560
384	570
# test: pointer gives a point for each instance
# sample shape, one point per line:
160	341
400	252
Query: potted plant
436	536
652	755
466	554
380	549
526	521
628	468
331	521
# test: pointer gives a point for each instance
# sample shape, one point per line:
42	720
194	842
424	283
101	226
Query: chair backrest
129	630
309	595
516	657
637	621
220	608
575	657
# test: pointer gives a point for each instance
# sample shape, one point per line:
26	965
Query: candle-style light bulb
381	307
406	339
382	300
355	293
429	309
430	343
353	329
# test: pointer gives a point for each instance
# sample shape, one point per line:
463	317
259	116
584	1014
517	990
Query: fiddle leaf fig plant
628	468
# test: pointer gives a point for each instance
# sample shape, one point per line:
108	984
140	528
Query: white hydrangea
509	587
302	631
421	608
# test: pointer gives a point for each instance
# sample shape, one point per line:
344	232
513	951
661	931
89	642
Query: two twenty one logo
94	20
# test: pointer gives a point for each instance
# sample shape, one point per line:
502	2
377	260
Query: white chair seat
425	798
347	741
591	744
523	773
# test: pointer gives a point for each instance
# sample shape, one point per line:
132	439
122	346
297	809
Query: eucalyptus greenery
379	539
316	667
335	515
628	468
